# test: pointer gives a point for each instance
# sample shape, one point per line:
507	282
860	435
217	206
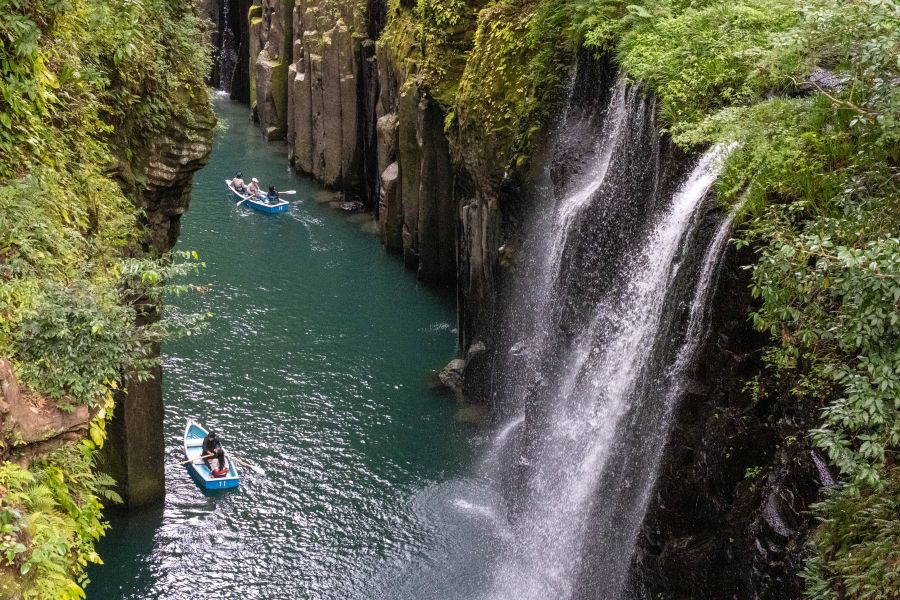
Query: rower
211	445
272	197
253	188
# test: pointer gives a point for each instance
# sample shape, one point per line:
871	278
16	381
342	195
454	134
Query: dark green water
316	366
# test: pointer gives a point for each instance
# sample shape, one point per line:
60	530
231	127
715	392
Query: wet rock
451	376
477	373
479	233
822	80
729	514
390	214
352	206
387	140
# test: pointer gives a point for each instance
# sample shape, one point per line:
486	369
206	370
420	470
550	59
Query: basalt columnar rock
357	120
135	447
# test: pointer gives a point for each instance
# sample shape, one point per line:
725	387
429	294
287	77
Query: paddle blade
289	192
251	466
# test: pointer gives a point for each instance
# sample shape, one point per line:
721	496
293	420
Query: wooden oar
244	463
184	462
289	192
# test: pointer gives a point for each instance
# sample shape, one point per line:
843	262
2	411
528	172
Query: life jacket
220	472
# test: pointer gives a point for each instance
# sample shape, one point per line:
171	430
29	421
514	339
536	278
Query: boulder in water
451	376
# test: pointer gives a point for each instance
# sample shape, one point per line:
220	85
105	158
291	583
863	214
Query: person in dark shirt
211	449
272	197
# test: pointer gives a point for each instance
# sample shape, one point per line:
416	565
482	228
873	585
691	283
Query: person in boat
253	189
221	469
272	196
211	445
212	449
238	183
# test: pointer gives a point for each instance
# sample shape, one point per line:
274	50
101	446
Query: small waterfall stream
227	55
605	315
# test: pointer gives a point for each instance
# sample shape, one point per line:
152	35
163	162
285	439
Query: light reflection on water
316	368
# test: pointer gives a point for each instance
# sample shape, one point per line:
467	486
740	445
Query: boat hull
257	205
193	450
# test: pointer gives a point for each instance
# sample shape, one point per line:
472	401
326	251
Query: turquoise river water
316	365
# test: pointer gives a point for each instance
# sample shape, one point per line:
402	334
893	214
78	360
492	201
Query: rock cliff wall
134	452
730	511
359	118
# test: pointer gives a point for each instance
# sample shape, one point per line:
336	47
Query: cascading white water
602	378
227	51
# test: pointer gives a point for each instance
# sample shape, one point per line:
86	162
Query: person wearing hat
253	188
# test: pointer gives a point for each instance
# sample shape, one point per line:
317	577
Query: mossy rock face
489	65
279	93
255	19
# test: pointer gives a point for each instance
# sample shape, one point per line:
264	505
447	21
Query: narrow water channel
315	366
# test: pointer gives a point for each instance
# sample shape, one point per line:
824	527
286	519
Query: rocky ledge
32	425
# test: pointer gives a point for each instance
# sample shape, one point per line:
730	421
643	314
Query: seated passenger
221	469
272	197
253	188
238	183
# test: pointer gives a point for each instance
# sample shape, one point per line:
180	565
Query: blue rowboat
258	203
193	449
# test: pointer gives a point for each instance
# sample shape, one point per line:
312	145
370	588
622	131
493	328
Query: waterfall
606	359
227	50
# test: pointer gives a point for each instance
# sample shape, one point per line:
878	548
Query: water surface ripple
316	367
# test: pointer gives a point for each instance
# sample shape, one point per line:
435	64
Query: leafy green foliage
86	86
856	546
50	517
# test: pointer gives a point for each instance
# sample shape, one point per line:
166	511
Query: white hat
255	180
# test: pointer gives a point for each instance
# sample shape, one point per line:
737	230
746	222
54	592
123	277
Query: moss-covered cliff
103	119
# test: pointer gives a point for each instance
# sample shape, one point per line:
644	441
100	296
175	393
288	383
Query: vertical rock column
325	97
270	51
390	211
239	12
135	446
478	238
425	195
134	453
